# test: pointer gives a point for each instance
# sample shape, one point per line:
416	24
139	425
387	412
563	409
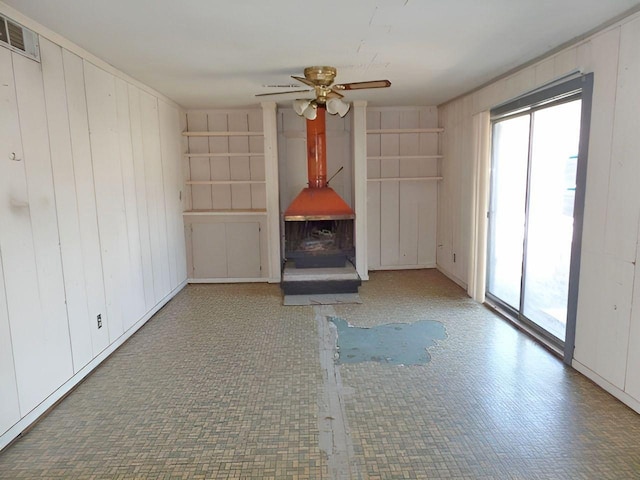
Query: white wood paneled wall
607	347
91	224
401	214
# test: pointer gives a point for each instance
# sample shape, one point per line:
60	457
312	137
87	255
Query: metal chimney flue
318	201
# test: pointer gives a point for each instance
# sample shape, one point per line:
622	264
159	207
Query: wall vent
19	39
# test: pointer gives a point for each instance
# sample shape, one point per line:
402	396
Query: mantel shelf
404	157
407	130
403	179
222	134
228	212
223	182
227	154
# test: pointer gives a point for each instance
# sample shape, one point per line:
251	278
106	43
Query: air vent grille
19	39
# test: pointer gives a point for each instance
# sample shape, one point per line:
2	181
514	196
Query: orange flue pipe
317	149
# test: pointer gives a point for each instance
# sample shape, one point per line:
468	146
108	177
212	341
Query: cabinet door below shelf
226	250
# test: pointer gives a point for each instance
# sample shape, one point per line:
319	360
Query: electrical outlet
99	318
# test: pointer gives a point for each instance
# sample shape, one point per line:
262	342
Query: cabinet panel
243	250
209	250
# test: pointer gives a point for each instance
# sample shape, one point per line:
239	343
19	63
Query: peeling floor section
334	433
395	343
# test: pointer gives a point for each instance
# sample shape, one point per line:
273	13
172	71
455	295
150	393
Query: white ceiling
219	53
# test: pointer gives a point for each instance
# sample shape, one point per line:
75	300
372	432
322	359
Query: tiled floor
224	382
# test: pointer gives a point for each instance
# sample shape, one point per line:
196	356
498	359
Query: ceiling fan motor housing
320	75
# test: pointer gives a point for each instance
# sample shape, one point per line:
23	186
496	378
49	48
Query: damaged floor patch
394	343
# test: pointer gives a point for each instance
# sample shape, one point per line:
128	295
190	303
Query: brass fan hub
320	75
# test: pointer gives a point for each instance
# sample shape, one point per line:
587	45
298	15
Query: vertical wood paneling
169	124
72	236
605	56
200	168
240	194
80	324
15	221
42	350
623	208
105	152
155	194
220	166
135	118
373	224
427	224
389	223
135	305
402	214
9	405
86	200
408	223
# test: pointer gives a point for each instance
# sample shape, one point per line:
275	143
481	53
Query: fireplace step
314	281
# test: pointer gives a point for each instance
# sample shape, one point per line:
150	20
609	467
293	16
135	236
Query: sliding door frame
527	104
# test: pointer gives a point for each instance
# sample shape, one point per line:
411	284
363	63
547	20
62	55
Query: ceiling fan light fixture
299	106
311	112
336	105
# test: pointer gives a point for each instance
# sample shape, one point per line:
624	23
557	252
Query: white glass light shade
299	106
336	105
311	112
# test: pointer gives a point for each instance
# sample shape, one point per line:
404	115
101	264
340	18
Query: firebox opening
319	243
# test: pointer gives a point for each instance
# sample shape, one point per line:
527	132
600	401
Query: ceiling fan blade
304	80
333	94
361	85
281	93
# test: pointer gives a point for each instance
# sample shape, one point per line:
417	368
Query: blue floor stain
394	343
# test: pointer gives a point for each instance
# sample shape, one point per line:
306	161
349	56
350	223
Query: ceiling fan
326	93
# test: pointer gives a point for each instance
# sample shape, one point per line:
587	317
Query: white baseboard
25	422
227	280
402	267
605	385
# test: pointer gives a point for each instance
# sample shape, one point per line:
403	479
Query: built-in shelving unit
403	171
226	196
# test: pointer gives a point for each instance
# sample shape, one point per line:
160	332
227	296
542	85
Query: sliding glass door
531	217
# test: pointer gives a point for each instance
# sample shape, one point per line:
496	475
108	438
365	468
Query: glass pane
556	135
506	221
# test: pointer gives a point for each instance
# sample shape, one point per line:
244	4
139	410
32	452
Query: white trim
477	272
228	280
406	130
403	267
359	145
223	134
403	179
270	128
223	213
34	415
621	395
451	276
